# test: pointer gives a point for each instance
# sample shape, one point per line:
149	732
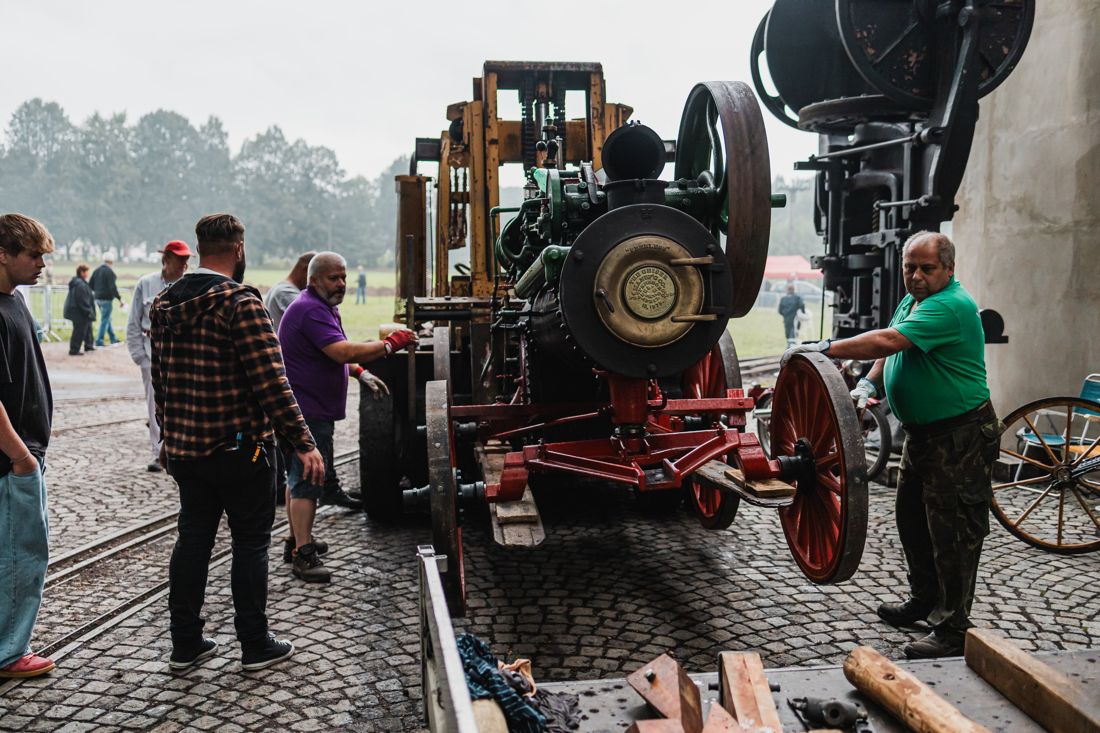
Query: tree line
112	184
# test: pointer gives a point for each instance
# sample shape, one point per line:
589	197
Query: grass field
760	333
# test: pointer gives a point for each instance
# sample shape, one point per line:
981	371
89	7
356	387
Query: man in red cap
173	263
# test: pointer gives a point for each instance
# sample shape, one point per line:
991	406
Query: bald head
298	273
927	263
945	248
328	276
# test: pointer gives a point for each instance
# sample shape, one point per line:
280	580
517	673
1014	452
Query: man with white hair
173	263
930	362
316	353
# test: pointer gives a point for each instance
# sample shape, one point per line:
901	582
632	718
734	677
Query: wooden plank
744	691
524	510
515	523
766	488
1052	699
719	721
489	717
667	689
904	696
656	726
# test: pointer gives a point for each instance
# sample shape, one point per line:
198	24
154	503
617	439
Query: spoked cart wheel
446	532
813	417
711	377
1050	450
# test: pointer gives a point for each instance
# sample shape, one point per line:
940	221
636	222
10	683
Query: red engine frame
650	449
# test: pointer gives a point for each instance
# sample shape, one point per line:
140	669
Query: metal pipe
915	138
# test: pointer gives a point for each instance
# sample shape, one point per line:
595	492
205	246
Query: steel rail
62	647
69	428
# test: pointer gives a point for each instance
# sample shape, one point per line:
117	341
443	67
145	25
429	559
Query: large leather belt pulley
722	141
645	291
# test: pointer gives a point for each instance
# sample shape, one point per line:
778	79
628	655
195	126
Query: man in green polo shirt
931	361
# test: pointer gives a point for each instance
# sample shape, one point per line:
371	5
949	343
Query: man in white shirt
173	260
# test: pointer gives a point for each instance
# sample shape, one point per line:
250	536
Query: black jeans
82	333
245	491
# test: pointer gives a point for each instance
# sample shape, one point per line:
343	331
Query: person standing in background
173	263
283	293
104	284
80	309
361	287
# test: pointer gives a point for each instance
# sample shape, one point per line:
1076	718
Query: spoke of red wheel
831	481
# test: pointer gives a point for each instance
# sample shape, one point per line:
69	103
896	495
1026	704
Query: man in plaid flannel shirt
220	389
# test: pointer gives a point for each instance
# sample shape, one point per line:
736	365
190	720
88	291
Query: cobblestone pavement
611	588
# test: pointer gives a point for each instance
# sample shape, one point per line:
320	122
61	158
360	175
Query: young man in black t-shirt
26	408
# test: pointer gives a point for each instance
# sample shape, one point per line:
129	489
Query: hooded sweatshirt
217	371
79	303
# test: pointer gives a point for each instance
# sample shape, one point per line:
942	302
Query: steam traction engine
589	337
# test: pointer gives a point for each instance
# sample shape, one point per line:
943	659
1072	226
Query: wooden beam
744	691
1052	699
474	126
656	726
440	281
670	692
904	696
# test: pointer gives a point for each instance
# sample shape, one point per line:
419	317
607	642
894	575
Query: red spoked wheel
813	418
711	377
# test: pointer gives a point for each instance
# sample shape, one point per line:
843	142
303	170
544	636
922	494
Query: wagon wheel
446	532
722	140
711	377
813	417
1051	499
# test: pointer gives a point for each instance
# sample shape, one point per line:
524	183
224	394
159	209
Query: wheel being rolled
722	142
813	418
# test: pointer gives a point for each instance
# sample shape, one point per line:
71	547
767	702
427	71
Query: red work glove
399	340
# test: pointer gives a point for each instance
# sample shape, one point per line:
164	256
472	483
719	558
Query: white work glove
865	390
818	347
377	387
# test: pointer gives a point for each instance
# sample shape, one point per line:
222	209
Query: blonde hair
18	232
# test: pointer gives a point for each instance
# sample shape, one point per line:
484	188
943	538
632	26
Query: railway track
758	367
72	563
108	423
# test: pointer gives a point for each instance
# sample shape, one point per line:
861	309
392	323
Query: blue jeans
105	326
301	489
24	554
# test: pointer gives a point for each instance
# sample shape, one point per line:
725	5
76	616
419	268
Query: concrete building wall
1028	228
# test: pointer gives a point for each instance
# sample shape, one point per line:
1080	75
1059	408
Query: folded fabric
486	682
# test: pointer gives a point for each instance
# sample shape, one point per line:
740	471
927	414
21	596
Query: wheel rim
722	137
711	377
446	532
826	523
1051	500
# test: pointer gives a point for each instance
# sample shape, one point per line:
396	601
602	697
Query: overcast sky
362	78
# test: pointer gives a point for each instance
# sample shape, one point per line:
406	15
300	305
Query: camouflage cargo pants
942	510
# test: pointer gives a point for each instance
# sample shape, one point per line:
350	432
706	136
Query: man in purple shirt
316	353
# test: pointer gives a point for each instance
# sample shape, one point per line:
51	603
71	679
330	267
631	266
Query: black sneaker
339	497
154	467
184	658
940	643
906	613
270	651
307	565
288	547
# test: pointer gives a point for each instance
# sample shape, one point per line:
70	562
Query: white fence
46	302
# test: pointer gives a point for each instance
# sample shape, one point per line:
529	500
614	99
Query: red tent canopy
790	267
